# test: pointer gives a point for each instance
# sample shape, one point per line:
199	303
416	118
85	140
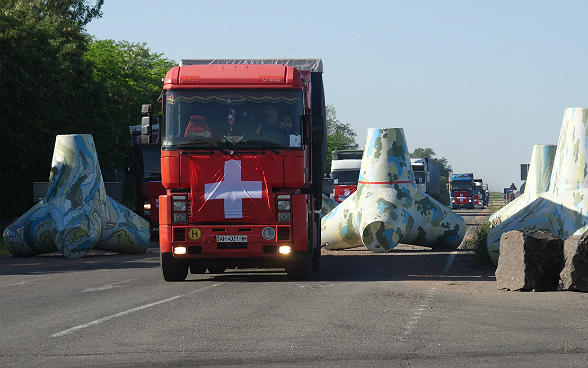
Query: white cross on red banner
233	190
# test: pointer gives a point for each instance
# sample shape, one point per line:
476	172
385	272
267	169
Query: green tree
444	170
340	135
128	75
47	89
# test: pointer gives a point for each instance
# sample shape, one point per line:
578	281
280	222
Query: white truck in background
345	173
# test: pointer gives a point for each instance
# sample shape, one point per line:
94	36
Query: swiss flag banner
461	197
230	189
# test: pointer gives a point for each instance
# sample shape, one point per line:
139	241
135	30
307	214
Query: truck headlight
283	205
179	217
179	206
147	206
180	250
284	216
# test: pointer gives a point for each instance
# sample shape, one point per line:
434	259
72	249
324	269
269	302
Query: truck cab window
233	118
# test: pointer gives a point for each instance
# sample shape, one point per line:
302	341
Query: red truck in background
243	146
480	193
461	187
345	167
147	174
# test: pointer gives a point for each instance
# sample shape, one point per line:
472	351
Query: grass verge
3	248
479	243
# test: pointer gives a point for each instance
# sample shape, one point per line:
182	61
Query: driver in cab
273	123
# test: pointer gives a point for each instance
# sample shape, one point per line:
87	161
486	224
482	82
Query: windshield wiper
259	144
196	145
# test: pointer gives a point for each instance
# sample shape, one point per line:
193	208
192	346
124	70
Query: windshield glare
233	118
461	185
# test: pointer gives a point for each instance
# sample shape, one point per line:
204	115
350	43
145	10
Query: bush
479	243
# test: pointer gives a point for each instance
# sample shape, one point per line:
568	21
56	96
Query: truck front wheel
172	269
300	268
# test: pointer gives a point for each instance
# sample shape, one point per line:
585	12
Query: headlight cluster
284	208
179	209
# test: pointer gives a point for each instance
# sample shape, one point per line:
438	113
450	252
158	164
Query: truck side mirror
146	123
328	186
305	119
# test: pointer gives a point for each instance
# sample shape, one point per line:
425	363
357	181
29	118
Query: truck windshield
461	185
151	163
345	177
246	118
419	176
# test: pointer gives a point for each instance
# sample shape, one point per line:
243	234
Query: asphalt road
412	307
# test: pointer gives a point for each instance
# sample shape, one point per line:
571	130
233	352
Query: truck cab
461	188
427	176
479	194
345	173
242	156
146	169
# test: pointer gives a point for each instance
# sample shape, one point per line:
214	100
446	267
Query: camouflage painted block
388	207
76	215
562	209
538	178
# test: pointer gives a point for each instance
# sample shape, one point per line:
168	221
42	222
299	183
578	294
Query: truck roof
345	165
418	161
347	154
468	176
312	65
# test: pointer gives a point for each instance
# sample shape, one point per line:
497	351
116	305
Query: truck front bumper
226	241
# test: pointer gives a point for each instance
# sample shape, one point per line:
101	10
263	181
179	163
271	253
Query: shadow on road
403	265
56	263
400	265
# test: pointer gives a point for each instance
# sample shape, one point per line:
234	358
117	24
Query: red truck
146	170
243	146
345	173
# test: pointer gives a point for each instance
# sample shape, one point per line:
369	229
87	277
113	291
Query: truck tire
316	259
301	268
171	268
316	251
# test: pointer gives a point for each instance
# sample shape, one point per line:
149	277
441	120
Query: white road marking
145	306
107	287
100	288
417	313
18	283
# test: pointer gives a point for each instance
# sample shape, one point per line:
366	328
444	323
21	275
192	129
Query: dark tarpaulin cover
313	65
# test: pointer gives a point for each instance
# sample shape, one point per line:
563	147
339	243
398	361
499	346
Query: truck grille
231	245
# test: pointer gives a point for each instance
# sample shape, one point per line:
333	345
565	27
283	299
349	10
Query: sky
478	82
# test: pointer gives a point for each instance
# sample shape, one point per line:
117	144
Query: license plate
231	238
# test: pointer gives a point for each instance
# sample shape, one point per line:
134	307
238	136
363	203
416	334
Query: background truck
146	169
242	158
427	176
486	195
479	194
461	188
345	173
